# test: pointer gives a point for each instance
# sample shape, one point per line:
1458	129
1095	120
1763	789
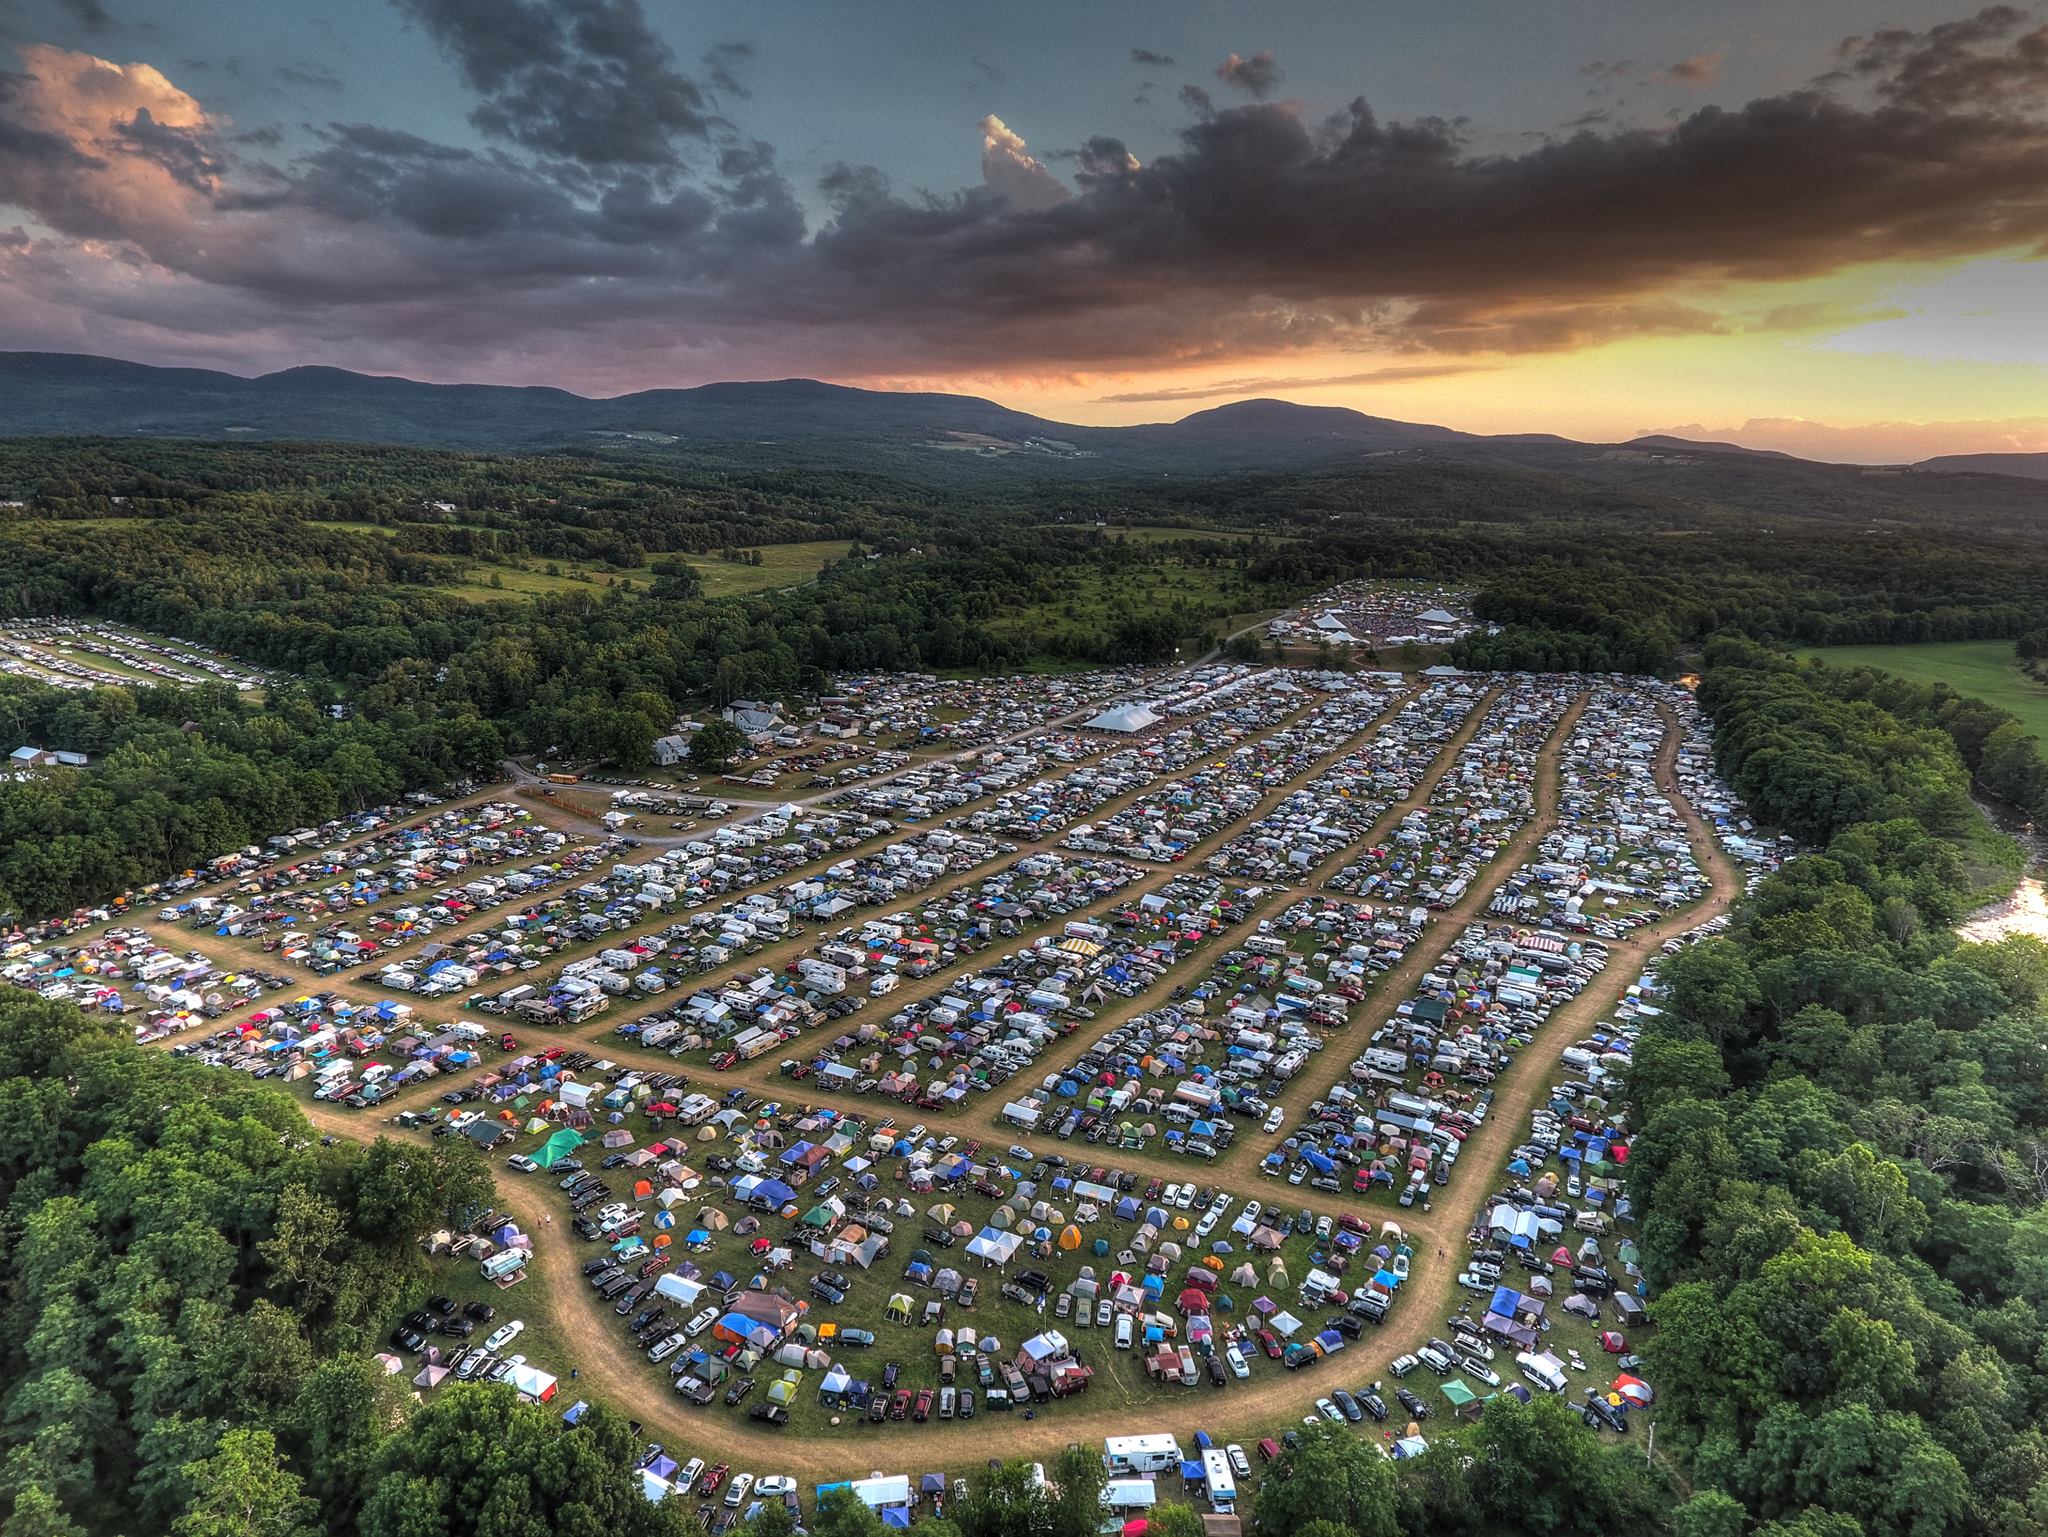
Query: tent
556	1148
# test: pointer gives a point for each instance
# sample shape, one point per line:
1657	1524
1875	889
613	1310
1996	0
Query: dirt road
610	1367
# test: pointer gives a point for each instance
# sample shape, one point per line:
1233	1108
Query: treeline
181	774
1842	1158
193	1291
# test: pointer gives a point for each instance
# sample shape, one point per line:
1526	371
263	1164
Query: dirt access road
613	1370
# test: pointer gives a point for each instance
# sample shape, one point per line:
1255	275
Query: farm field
1981	669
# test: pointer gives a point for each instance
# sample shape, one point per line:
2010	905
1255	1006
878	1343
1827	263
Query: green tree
36	1513
1710	1513
1330	1470
713	749
244	1490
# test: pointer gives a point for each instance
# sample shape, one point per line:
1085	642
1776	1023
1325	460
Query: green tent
1459	1394
557	1147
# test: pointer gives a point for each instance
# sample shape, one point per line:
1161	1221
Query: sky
1816	228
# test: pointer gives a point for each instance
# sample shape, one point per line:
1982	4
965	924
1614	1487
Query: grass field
782	565
1094	597
1162	534
1980	669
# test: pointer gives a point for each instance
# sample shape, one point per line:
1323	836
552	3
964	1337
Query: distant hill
2026	466
68	394
801	423
1665	442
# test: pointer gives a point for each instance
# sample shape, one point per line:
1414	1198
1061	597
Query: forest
1843	1151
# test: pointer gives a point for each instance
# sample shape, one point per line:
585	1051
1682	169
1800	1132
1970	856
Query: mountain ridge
809	421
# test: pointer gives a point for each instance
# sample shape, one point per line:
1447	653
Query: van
1542	1372
1591	1222
1124	1331
1268	1449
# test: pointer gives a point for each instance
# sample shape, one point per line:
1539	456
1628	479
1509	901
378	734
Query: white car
1234	1359
1124	1331
1170	1196
736	1492
687	1479
1276	1118
1186	1198
504	1336
1240	1464
522	1163
701	1322
775	1485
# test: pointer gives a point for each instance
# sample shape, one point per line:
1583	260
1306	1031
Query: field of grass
1162	534
782	565
1094	598
1980	669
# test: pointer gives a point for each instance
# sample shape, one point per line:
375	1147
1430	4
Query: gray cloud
1256	233
721	67
308	76
1955	65
1153	60
1269	384
89	14
1255	76
586	80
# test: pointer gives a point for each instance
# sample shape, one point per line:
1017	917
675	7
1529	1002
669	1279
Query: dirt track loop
610	1368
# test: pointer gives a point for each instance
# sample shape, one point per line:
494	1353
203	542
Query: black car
769	1414
1601	1415
1373	1404
419	1318
739	1390
409	1340
826	1292
1416	1408
442	1305
597	1266
482	1312
457	1328
1347	1406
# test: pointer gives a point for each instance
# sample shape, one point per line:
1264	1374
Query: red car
923	1411
1268	1342
506	1043
899	1406
713	1480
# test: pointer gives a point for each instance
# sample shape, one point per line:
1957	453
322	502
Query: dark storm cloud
1956	65
587	80
1259	231
1153	60
1255	76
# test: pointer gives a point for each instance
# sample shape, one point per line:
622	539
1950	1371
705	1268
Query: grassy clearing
1163	534
1093	597
1981	669
782	565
